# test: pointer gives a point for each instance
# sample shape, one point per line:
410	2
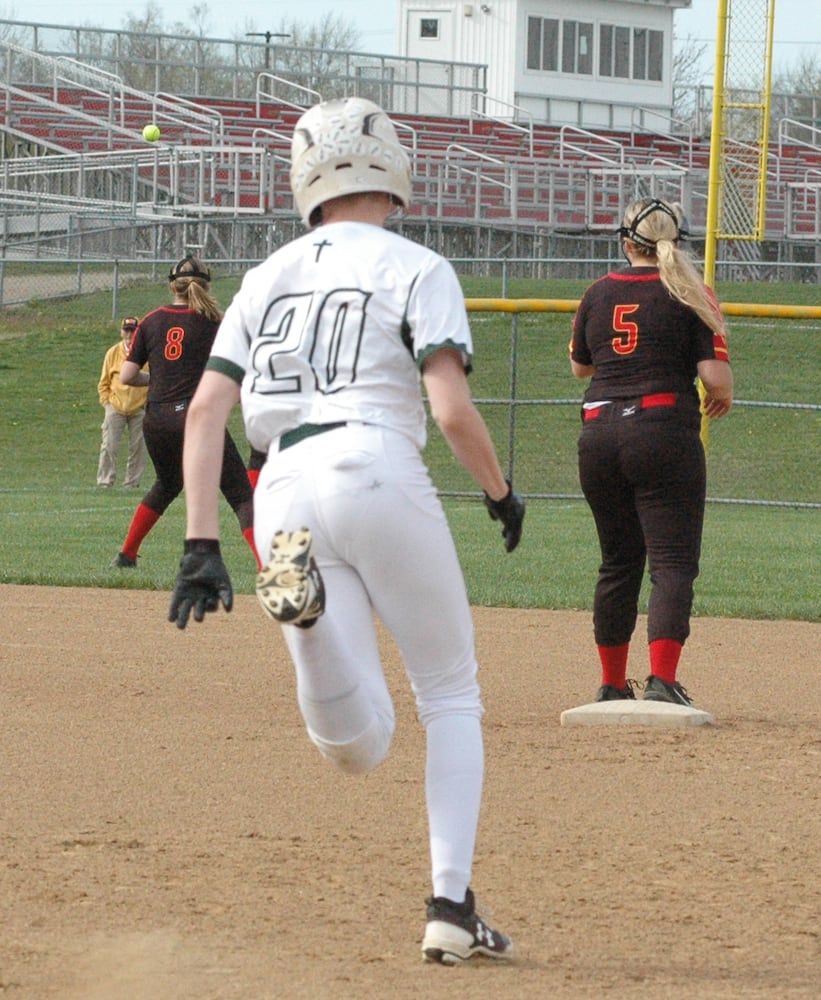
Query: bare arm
208	413
581	371
130	374
717	379
460	422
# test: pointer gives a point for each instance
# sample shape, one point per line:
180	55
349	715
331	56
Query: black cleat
455	933
122	561
607	692
655	689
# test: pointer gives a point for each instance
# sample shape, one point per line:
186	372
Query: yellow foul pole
714	191
765	124
714	175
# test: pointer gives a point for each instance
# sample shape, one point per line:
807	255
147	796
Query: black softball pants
643	473
164	433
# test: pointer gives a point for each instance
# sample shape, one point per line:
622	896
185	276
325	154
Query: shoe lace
679	689
682	691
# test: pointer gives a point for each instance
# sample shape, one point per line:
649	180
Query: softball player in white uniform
324	344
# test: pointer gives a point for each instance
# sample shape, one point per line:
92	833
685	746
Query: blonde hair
195	287
654	228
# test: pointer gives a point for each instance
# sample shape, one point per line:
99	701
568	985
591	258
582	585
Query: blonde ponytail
191	280
199	298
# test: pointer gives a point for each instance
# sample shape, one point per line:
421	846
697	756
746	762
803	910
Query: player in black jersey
176	341
644	333
256	460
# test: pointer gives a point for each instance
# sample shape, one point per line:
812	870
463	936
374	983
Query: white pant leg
367	497
381	538
341	687
383	517
112	428
135	466
416	584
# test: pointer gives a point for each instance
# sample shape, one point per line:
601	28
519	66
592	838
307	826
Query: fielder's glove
510	510
202	582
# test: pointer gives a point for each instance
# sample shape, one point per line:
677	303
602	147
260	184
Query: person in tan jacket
124	408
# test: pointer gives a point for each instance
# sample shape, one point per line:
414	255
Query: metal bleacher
72	143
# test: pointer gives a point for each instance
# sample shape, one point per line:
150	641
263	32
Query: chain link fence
113	257
24	281
529	401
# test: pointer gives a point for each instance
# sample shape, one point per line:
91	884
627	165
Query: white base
625	712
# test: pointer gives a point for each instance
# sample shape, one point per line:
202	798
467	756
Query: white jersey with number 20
334	326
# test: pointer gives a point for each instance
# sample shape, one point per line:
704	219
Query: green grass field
758	562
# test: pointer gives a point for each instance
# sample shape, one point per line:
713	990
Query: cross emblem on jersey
319	248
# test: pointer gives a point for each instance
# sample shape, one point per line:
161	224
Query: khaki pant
114	423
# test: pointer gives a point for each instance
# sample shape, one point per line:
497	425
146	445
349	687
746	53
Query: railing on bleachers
229	157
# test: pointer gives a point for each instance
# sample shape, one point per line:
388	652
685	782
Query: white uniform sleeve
436	312
233	340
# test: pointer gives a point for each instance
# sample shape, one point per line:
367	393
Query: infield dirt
169	833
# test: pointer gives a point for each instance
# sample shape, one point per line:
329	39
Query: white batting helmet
346	147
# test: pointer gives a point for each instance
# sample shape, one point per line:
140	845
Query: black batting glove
510	510
202	582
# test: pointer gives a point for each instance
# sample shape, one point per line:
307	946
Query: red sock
248	535
143	521
614	664
664	657
253	477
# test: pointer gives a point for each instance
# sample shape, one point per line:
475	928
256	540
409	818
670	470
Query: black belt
298	434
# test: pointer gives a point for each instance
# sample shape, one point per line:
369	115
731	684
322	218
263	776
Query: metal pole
115	292
714	175
714	186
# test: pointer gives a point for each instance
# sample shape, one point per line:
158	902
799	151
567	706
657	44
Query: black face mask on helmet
194	271
631	232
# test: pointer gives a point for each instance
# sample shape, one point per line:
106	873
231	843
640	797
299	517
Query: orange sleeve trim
720	348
